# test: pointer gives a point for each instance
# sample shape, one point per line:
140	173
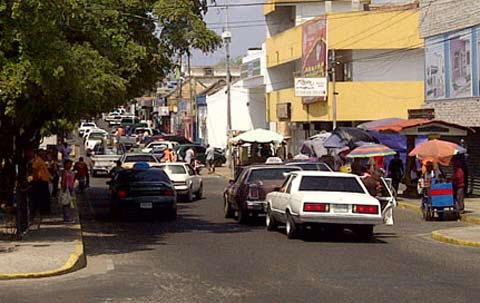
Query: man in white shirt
189	156
210	158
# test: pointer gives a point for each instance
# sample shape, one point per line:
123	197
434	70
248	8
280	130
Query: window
174	169
330	184
148	175
270	173
289	187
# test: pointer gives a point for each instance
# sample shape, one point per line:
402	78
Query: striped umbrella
371	150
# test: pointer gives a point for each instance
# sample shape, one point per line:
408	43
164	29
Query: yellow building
379	66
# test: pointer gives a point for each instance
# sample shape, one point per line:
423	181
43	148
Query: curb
463	218
75	262
450	240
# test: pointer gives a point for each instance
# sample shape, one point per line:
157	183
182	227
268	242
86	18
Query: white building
247	101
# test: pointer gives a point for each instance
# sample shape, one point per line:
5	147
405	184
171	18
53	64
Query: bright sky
246	24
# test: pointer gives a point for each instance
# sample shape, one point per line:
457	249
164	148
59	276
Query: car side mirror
276	188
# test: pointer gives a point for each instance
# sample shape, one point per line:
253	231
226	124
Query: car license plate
340	208
146	205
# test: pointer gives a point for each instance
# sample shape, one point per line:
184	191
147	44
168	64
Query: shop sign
422	113
311	87
163	111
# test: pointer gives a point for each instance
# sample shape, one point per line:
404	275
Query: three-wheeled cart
439	200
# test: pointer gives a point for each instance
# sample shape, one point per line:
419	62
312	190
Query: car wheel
291	228
227	210
242	216
364	232
199	194
270	220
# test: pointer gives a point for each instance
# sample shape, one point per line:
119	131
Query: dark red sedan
245	196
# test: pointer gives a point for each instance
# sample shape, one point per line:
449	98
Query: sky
246	24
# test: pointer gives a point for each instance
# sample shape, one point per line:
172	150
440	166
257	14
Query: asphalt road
203	257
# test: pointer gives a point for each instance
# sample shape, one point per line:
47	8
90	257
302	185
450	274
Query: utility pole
334	106
227	38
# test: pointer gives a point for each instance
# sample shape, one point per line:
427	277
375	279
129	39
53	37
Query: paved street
203	257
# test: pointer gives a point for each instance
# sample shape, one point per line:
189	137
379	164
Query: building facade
451	30
378	68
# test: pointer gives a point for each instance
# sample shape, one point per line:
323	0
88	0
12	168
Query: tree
64	60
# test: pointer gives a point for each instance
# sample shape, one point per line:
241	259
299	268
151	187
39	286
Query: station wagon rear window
269	174
139	158
174	169
330	184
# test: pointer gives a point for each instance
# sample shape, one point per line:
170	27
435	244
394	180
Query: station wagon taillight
365	209
168	193
253	192
316	207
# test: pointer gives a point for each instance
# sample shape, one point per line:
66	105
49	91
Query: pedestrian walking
67	186
90	163
189	156
54	172
41	177
458	183
210	158
167	156
396	171
81	170
118	168
65	149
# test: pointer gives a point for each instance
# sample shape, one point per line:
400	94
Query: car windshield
88	125
330	184
139	158
174	169
265	174
312	166
142	175
97	136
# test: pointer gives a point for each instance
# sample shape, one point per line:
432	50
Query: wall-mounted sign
310	87
421	113
251	69
283	110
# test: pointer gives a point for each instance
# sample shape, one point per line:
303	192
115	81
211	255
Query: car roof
273	165
304	162
324	174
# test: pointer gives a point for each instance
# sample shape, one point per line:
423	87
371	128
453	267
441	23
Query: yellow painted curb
442	238
76	261
470	219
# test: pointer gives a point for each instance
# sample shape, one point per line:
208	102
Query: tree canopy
72	59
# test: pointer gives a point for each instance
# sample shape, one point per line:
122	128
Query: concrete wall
460	111
280	77
401	66
280	20
441	16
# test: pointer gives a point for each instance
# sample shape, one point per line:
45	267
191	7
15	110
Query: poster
460	65
314	53
435	68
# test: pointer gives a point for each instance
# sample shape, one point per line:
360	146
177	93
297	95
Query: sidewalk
53	248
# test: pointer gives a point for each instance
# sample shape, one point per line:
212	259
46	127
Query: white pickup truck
105	159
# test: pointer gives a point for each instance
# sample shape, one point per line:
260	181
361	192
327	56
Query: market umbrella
438	151
371	150
314	146
348	137
259	135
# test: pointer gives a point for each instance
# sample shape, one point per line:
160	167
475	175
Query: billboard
314	53
434	69
460	64
311	87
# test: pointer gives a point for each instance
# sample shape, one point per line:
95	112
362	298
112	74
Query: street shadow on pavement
135	232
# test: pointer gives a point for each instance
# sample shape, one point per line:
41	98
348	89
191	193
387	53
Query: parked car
115	120
199	150
187	183
143	189
95	136
160	146
330	199
246	194
165	137
129	121
84	126
311	166
111	116
129	159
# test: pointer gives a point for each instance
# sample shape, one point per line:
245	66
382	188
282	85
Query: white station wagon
327	198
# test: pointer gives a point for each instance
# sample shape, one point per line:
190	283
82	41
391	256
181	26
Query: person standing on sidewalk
458	183
82	171
189	156
41	177
395	171
65	150
67	185
210	158
90	163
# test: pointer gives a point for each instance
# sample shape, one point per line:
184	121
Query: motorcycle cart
439	200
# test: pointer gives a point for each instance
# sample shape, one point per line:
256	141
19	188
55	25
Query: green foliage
64	60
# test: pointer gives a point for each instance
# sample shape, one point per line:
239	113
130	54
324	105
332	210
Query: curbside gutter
436	235
76	261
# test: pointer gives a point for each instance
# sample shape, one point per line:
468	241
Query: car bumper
256	205
102	170
182	189
339	219
145	203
